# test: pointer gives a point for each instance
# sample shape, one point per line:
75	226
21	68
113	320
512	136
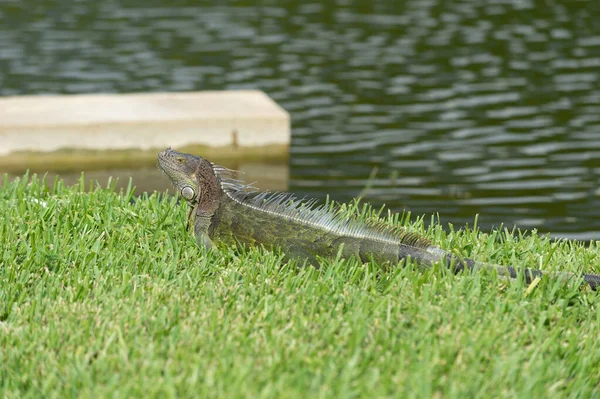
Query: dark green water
461	107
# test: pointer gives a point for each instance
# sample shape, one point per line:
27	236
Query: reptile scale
224	209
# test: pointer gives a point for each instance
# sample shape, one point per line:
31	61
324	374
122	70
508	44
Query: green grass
104	296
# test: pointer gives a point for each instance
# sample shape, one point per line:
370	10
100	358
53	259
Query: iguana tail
426	255
457	265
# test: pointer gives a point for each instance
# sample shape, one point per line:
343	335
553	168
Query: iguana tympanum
227	210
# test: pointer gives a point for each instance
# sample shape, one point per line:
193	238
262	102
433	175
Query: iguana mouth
162	162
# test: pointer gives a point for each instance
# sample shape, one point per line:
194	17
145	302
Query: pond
454	108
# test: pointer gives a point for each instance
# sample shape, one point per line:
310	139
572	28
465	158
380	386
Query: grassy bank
101	295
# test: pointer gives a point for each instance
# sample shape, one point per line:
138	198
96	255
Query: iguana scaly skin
227	210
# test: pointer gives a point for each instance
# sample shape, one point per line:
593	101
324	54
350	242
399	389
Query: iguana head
193	177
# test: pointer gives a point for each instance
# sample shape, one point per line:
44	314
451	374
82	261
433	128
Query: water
452	107
272	177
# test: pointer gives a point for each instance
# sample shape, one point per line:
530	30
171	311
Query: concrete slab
234	119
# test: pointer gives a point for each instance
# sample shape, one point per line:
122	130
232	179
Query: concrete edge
140	121
68	160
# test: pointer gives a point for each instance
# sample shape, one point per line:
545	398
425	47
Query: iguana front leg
203	240
201	224
190	212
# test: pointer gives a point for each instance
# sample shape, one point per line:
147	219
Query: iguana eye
188	193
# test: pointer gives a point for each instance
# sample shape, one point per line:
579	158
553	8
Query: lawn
106	294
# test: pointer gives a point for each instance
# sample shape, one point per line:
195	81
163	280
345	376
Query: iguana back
304	232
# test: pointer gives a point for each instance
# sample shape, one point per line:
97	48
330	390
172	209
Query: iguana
224	209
